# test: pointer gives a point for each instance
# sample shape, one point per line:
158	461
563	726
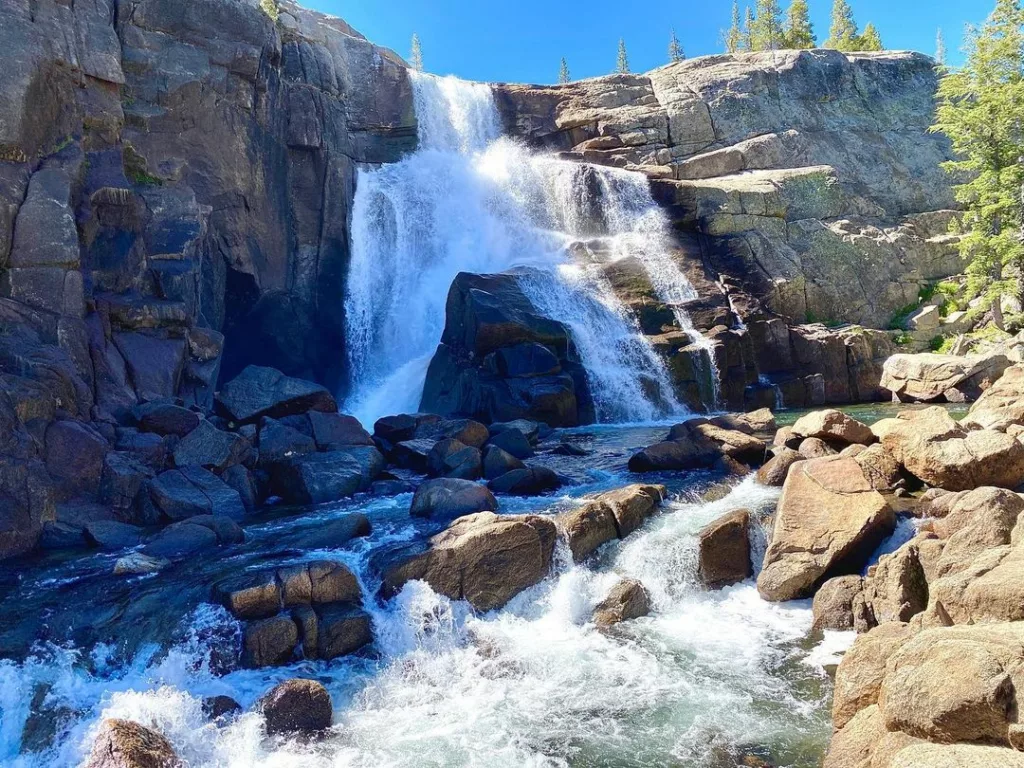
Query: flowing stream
470	200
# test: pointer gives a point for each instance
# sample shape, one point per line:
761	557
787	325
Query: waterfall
470	200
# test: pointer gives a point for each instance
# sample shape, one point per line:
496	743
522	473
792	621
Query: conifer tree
734	35
747	38
416	53
675	49
980	110
870	40
622	66
797	30
940	49
842	34
766	30
563	72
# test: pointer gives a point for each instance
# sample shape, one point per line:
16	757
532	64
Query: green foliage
136	168
734	36
747	43
622	63
270	8
797	31
61	145
870	40
842	35
936	343
766	28
675	49
899	320
981	110
416	53
902	338
563	72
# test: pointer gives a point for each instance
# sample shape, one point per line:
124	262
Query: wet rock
280	443
180	540
250	596
815	448
527	481
241	480
610	515
533	430
370	461
112	535
317	478
182	493
724	550
391	487
124	744
828	523
498	462
165	418
833	606
343	629
402	427
269	642
57	535
482	558
123	482
451	458
413	454
332	532
733	443
449	498
297	707
776	469
220	707
514	442
941	452
207	446
333	431
833	426
627	600
139	563
257	392
670	455
318	583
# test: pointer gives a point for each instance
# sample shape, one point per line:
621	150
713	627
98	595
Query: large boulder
829	521
526	481
452	458
834	427
724	550
297	707
483	558
776	469
1002	405
941	452
207	446
182	493
316	478
125	744
931	377
450	498
258	392
611	515
628	599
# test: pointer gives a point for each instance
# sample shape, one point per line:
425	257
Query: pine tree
734	35
870	40
940	49
675	49
980	109
416	53
622	66
766	31
798	32
749	23
563	72
842	35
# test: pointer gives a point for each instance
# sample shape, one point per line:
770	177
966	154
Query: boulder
828	523
413	454
862	669
833	606
250	595
342	629
833	426
627	600
526	481
220	707
512	441
316	478
280	443
123	483
1001	405
956	756
931	377
880	467
112	535
166	418
815	448
724	550
498	462
451	458
125	744
257	392
450	498
611	515
941	452
74	456
482	558
466	431
207	446
776	469
895	589
670	455
269	642
139	563
297	707
182	493
333	431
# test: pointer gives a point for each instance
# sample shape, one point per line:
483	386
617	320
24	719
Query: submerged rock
297	707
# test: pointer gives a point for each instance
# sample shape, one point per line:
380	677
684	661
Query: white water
535	684
471	201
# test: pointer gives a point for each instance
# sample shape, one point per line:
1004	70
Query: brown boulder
931	377
611	515
861	671
724	550
833	606
776	470
297	707
269	642
833	426
828	523
1002	405
125	744
627	600
956	756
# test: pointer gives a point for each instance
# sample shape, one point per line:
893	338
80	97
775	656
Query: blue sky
523	40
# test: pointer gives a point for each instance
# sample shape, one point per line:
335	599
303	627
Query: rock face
831	206
124	744
829	521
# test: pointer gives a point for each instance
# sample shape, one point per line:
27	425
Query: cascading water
469	200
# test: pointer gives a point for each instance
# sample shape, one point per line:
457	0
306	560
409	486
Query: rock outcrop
949	378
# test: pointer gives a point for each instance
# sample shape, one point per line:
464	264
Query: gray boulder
258	392
450	498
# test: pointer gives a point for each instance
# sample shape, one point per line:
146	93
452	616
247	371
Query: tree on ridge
675	49
797	30
622	66
766	28
748	30
842	34
734	36
870	40
416	53
563	72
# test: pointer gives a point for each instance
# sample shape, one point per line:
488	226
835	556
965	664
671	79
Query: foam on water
471	201
532	684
